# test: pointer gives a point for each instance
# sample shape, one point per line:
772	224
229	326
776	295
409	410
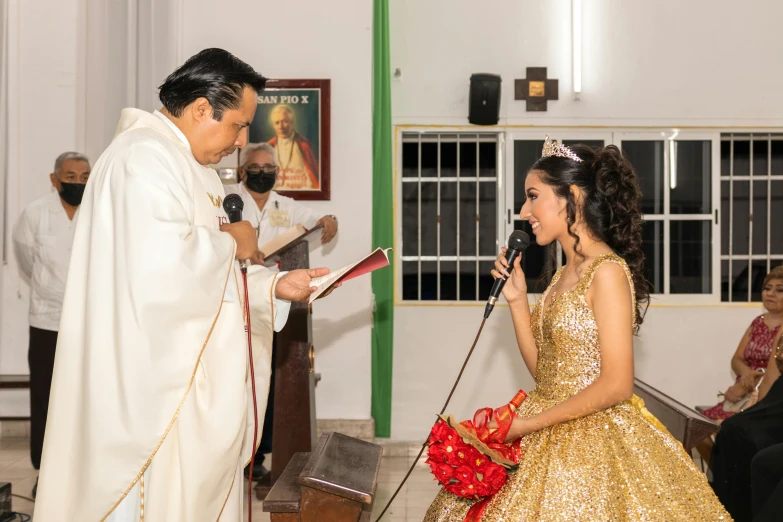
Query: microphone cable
255	402
423	446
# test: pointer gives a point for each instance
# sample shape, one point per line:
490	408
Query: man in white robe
151	416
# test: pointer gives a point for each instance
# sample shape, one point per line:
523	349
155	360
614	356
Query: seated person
744	435
767	481
755	347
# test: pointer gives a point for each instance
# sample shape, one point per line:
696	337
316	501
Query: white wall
80	61
126	50
708	62
308	39
73	64
665	63
684	352
42	124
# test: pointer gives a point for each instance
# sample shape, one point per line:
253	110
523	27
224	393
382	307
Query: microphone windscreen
233	203
518	240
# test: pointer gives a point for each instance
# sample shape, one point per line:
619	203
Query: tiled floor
410	504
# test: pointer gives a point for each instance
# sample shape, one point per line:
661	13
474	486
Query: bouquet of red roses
469	459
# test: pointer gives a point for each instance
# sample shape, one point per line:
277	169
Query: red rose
442	432
465	474
495	476
461	490
483	489
455	488
437	452
443	472
461	454
480	463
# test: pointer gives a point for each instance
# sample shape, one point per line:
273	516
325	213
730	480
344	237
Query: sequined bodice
569	357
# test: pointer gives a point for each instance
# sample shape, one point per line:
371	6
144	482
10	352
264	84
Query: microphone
518	241
233	205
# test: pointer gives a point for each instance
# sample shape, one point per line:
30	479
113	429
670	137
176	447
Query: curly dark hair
610	208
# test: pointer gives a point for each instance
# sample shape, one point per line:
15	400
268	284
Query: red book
378	259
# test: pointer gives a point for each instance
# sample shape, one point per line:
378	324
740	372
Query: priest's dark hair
214	74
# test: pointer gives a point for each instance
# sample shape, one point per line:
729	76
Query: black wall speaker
484	104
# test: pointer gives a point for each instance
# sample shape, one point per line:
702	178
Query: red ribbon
476	511
495	438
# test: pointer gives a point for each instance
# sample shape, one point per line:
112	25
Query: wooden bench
686	424
336	482
14	382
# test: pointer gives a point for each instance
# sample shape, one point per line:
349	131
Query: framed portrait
293	116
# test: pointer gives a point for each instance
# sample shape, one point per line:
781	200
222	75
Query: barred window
675	176
751	191
450	214
680	212
712	205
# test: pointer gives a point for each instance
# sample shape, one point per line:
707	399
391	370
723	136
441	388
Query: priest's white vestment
150	416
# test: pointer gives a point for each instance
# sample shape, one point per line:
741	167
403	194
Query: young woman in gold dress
592	452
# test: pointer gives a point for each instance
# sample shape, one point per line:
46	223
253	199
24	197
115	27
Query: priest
151	414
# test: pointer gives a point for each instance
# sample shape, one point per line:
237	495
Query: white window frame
615	135
666	135
728	214
398	183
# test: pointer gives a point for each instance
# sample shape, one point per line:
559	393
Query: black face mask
260	182
72	193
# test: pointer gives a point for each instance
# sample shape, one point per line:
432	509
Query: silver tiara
556	148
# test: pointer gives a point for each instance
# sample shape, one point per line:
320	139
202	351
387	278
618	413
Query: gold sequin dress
618	464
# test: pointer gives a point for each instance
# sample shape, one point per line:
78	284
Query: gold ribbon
638	403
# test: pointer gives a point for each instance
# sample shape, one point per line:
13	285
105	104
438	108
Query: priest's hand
296	285
245	237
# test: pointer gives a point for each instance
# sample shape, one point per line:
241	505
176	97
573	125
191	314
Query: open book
378	259
294	233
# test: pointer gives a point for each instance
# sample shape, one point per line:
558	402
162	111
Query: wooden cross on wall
537	89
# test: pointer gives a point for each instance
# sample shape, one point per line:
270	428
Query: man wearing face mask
43	237
271	214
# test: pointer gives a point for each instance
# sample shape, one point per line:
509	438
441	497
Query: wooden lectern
334	483
686	425
295	379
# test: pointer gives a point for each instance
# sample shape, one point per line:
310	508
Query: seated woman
755	347
742	436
